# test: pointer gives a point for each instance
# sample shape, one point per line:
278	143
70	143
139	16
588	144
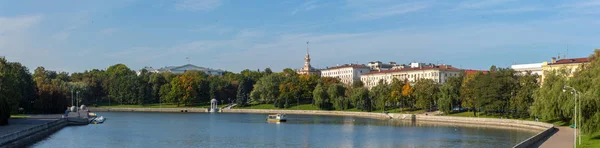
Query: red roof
440	67
570	61
348	65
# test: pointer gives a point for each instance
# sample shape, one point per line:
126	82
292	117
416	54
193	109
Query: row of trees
47	91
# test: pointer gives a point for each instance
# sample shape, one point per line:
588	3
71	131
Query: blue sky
76	35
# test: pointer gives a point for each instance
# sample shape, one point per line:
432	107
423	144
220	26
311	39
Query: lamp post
575	109
72	97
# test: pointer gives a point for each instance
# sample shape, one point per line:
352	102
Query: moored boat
98	120
276	118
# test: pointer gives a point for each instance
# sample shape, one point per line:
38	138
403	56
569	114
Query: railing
9	138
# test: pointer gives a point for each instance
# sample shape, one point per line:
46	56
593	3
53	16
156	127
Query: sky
79	35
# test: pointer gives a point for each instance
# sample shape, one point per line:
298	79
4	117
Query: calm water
131	129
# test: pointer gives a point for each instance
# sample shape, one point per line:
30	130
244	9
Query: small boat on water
276	118
98	120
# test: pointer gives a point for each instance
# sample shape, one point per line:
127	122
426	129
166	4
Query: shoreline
542	130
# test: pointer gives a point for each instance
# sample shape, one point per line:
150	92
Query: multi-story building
437	73
534	68
570	65
346	73
183	69
378	65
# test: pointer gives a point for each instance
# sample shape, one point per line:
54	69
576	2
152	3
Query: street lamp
577	107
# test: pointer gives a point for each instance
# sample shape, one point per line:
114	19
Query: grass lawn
590	140
19	116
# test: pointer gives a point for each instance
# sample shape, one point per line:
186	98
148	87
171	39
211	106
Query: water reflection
251	130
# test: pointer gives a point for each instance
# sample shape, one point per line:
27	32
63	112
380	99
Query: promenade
20	124
563	138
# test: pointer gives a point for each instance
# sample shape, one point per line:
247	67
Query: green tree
586	81
336	94
426	93
357	84
243	94
467	91
360	99
321	98
380	95
121	84
267	88
550	101
268	71
523	100
396	91
449	94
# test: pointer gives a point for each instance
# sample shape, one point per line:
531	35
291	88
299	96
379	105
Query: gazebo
213	105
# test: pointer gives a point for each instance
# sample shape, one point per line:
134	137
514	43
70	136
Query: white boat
98	120
276	118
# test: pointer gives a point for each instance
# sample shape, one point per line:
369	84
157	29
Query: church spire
307	49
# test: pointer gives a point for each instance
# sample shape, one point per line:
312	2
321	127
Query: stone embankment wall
545	129
26	137
259	111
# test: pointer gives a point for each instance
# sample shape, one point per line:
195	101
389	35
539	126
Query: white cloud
383	8
514	10
15	33
480	4
307	6
198	5
585	4
392	10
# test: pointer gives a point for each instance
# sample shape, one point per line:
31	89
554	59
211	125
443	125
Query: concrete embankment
31	135
258	111
545	129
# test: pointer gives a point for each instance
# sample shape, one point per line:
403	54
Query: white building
535	68
183	69
346	73
378	65
437	73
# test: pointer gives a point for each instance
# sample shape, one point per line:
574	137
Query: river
137	129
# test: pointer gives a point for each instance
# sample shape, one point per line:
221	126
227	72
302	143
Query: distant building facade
378	65
346	73
570	65
534	68
438	73
183	69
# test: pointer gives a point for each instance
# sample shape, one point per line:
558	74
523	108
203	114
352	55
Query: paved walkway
563	138
15	125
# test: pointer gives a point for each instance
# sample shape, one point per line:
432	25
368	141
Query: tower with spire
307	69
307	59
